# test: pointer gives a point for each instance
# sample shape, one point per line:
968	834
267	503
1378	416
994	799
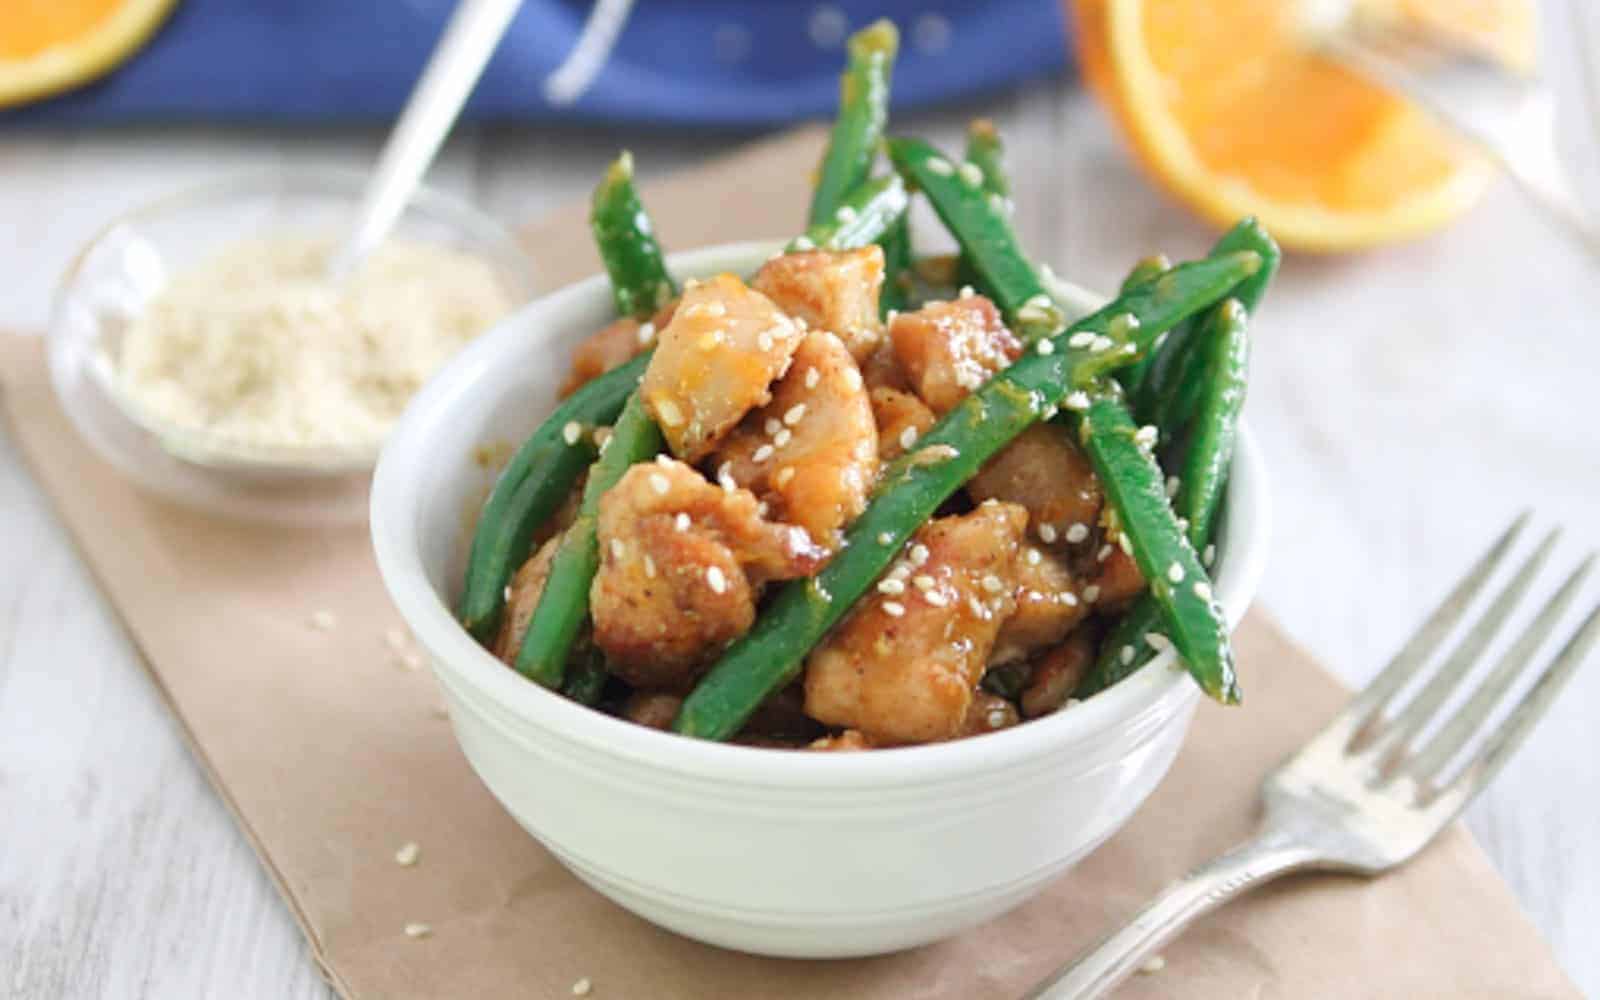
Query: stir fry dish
864	498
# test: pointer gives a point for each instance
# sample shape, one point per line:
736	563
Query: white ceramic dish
768	851
128	264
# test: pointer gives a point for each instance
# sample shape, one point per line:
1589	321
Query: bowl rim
487	237
1150	697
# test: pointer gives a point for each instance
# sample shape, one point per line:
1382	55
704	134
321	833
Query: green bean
1181	590
981	224
640	283
1168	395
586	676
1147	269
863	111
1224	372
564	603
912	488
863	216
987	153
533	484
896	243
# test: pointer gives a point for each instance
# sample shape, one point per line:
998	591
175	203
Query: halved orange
1227	106
47	46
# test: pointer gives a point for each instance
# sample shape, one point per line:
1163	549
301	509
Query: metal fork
1368	792
1509	115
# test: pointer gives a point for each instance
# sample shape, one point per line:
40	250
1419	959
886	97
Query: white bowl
768	851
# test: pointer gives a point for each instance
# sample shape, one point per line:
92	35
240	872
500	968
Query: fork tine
1516	727
1431	635
1448	677
1516	661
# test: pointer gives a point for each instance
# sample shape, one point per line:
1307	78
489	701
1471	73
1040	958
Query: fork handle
1258	860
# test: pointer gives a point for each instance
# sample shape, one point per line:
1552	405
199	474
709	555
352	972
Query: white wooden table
1409	402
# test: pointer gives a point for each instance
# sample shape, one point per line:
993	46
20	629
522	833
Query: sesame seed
411	661
1156	641
884	538
972	174
784	475
1183	525
1069	598
891	586
1130	348
602	437
1210	555
665	461
1104	553
323	621
1125	543
669	413
936	598
893	609
647	333
1081	339
709	341
992	584
762	453
725	477
1091	593
997	203
715	580
1127	655
919	554
966	292
649	566
939	165
845	215
908	437
1154	965
1050	412
1077	532
761	508
1175	573
1102	344
1033	557
852	379
1122	325
893	315
691	284
1078	401
804	243
996	718
407	855
812	378
1173	485
923	581
901	571
1045	346
772	426
1202	590
764	340
395	639
1047	532
936	453
794	414
416	930
618	550
978	610
572	432
1146	436
660	483
783	437
582	987
681	522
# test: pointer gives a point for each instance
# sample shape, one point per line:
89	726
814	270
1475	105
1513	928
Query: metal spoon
469	40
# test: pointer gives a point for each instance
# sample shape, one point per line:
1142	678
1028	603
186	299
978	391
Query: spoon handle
469	40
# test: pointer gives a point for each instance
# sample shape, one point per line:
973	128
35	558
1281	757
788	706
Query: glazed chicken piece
679	563
1057	676
655	709
849	740
882	370
988	713
526	587
812	453
715	362
901	419
1045	471
833	290
1117	580
903	666
948	349
1048	607
613	345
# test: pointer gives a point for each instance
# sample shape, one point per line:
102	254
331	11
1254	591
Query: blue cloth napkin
676	62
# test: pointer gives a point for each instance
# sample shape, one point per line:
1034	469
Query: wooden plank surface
1408	401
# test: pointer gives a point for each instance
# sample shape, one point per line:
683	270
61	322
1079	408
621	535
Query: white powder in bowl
257	347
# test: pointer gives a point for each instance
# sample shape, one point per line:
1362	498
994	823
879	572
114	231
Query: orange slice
1227	107
47	46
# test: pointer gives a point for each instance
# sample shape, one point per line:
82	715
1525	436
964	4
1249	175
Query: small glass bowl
131	260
